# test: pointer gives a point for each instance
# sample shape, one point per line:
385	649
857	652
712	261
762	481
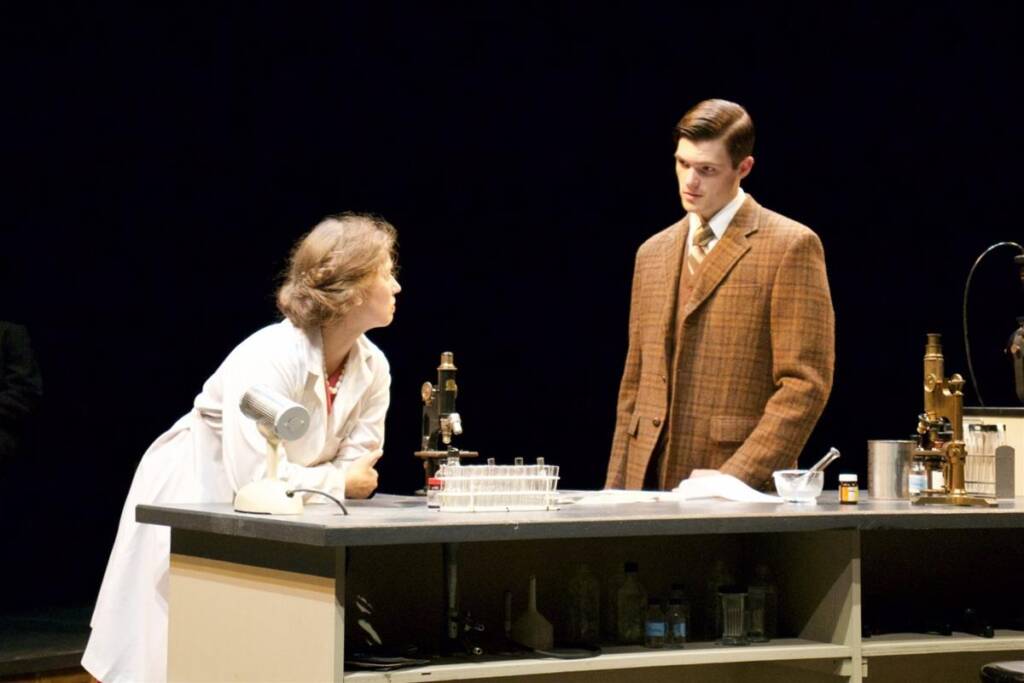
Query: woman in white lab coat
340	283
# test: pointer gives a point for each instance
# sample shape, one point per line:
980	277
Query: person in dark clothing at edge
21	387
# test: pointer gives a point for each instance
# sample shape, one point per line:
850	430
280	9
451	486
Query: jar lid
847	477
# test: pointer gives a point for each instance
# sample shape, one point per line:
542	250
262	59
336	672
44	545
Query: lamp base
267	497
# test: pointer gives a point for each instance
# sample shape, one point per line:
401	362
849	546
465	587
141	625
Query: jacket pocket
730	429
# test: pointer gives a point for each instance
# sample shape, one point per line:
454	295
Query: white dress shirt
720	221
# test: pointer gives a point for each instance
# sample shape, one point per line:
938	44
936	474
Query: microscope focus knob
427	392
956	383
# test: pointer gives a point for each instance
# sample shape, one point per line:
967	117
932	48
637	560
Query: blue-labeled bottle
655	626
677	618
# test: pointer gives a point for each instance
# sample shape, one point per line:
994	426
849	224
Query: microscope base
954	499
267	497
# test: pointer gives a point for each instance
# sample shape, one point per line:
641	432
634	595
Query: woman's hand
361	477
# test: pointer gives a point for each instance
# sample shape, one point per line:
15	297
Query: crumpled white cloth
714	484
701	484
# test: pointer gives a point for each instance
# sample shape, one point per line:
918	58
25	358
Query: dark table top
397	520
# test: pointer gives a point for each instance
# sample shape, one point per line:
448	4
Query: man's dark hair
719	120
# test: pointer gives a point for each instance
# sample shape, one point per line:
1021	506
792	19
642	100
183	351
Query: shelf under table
614	658
897	644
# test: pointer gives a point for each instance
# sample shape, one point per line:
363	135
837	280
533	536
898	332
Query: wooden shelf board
897	644
614	657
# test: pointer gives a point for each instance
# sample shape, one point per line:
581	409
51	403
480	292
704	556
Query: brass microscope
940	434
441	422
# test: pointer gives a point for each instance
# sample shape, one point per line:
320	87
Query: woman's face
378	305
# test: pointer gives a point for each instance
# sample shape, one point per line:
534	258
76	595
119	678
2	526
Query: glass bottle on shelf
630	607
677	617
720	575
609	613
655	625
755	614
584	607
682	624
763	582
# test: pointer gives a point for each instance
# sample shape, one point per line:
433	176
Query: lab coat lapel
315	364
357	377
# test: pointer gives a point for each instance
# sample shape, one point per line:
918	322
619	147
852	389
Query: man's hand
361	477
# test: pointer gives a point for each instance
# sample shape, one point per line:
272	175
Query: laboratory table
261	598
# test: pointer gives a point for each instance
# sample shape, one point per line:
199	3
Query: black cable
322	493
967	289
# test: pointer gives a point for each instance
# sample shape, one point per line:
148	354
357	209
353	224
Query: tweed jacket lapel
729	250
672	263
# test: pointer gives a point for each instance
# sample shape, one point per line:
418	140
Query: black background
160	162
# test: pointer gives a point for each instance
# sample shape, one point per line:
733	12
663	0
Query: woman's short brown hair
332	265
719	119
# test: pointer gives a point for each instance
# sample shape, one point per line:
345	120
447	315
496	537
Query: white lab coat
207	456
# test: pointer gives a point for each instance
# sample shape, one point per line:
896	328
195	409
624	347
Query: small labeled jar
434	486
849	493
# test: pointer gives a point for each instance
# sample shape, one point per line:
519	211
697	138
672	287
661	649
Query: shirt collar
314	350
721	220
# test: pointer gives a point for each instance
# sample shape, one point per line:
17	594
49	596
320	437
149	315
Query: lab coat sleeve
244	448
367	434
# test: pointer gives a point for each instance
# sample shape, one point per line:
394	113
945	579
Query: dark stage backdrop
160	162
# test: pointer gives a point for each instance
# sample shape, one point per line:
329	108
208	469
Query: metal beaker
889	469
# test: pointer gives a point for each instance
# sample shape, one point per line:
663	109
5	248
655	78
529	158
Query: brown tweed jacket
743	383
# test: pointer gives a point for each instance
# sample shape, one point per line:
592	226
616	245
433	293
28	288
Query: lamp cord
292	492
967	289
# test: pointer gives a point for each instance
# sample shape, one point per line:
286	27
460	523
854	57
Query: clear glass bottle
655	625
678	617
631	607
763	581
609	614
755	614
682	626
721	575
584	607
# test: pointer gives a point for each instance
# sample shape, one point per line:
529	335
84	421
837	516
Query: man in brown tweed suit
731	330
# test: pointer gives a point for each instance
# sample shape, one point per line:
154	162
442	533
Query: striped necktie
699	246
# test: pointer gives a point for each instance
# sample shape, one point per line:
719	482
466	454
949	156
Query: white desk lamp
279	419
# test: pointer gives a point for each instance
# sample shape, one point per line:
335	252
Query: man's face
707	178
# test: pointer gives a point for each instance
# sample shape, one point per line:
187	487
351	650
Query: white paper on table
614	497
712	484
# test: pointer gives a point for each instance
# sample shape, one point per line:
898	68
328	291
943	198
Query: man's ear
745	166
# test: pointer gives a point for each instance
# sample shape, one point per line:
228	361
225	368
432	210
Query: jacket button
656	422
664	379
